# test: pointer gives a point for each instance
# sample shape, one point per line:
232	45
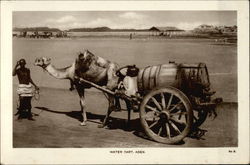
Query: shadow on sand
117	123
114	123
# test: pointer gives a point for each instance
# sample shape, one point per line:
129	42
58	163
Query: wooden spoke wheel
166	115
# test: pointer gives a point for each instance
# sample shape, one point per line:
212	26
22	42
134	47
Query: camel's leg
117	104
71	85
105	121
111	84
110	110
112	78
82	104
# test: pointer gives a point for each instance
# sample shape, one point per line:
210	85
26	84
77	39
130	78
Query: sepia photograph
125	81
154	77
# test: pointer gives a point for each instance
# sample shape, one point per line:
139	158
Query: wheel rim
166	115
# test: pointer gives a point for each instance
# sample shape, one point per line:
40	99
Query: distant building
61	34
209	29
166	31
228	29
39	32
204	26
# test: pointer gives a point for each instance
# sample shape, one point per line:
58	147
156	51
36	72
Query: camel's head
84	56
84	60
42	62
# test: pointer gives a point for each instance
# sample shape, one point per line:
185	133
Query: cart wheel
199	117
166	115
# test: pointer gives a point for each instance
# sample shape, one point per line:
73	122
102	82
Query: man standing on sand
24	90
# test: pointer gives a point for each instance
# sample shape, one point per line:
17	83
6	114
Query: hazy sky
123	19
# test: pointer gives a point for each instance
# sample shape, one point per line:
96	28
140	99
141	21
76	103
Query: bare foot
30	118
83	123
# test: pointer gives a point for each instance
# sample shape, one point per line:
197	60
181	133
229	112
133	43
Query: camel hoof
83	123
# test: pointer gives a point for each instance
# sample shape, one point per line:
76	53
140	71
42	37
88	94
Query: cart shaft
95	85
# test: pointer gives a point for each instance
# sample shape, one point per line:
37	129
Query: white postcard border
10	155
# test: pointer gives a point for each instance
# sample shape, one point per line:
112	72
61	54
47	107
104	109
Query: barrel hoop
207	75
139	78
157	76
152	77
156	73
190	67
149	78
202	65
143	76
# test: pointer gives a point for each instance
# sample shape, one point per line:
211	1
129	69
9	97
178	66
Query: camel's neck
62	73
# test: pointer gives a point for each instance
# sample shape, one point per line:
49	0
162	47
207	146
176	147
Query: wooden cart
172	99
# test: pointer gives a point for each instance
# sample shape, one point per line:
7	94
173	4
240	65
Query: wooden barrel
157	76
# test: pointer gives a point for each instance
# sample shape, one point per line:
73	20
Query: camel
89	67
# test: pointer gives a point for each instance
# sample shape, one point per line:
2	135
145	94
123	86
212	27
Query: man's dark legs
28	107
21	108
25	104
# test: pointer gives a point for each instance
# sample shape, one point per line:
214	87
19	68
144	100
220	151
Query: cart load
191	79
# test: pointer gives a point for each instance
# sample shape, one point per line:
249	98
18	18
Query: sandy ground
57	112
221	60
57	116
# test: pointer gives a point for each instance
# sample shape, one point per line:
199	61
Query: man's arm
15	69
31	81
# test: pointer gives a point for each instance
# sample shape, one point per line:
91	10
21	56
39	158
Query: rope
37	98
105	94
37	95
37	114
